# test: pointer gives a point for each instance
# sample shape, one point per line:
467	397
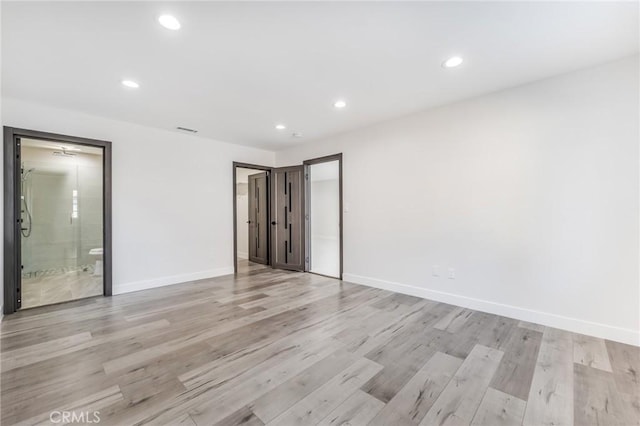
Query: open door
323	196
287	220
258	218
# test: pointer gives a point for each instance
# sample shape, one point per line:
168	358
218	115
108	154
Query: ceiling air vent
186	129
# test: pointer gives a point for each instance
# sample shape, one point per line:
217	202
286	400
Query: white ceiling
235	69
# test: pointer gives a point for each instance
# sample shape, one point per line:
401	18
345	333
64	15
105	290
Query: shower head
64	153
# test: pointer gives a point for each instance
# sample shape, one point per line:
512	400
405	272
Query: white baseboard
604	331
175	279
243	255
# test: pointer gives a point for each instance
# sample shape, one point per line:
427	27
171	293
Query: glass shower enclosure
61	236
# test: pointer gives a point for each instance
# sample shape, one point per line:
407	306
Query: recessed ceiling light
452	62
340	104
130	83
169	22
280	126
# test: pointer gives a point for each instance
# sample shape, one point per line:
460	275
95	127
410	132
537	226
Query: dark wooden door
258	218
287	221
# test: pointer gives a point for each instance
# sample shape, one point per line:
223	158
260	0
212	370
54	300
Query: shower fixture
64	153
25	190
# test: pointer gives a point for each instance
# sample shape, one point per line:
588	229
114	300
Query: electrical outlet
452	274
435	271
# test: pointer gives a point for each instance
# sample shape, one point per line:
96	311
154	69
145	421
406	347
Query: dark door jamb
12	214
238	165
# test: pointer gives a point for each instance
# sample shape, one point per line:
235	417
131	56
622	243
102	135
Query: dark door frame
238	165
12	209
307	163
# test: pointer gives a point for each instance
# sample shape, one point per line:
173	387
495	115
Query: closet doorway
289	217
324	215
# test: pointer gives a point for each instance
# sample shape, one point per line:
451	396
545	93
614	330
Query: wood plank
459	401
404	355
321	402
414	400
590	351
625	363
300	337
499	409
531	326
140	357
551	395
515	372
217	402
86	406
632	405
454	320
242	417
271	405
595	399
44	351
186	421
41	351
378	337
396	303
358	409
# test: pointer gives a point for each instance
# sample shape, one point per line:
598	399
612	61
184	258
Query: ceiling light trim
453	62
169	22
340	104
131	84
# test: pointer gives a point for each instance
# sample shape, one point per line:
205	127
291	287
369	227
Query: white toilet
97	252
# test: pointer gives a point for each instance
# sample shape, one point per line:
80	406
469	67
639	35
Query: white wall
172	194
531	194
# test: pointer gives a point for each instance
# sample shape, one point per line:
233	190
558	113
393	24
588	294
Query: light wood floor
282	348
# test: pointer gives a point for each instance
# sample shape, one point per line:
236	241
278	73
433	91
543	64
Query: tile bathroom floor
60	287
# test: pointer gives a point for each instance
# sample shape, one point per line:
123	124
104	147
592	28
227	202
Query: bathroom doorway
57	204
